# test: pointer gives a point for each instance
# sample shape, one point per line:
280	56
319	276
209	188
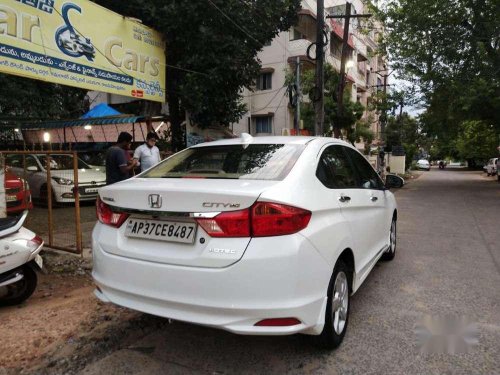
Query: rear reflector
263	219
278	322
106	216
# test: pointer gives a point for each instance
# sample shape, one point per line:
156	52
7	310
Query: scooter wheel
19	292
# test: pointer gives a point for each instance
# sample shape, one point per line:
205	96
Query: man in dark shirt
117	165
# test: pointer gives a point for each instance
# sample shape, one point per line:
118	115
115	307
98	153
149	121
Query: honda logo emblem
155	201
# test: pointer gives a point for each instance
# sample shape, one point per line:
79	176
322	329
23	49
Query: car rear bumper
19	205
270	281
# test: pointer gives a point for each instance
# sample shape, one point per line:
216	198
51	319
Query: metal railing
35	169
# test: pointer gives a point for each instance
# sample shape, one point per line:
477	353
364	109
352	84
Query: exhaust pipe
14	279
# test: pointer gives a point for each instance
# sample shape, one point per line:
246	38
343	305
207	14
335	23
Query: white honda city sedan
259	236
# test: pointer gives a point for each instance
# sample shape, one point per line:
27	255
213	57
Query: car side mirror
32	168
393	181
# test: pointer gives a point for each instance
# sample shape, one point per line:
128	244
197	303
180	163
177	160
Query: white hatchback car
261	236
90	179
424	164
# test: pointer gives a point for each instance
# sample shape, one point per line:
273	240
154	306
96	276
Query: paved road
448	261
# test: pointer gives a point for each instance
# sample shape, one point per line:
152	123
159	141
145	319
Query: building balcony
298	48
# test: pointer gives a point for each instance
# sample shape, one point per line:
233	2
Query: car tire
337	308
391	251
21	290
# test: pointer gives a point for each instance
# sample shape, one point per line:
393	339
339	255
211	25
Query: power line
261	93
263	15
270	101
234	23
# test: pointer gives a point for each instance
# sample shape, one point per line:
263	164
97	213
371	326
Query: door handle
373	199
344	198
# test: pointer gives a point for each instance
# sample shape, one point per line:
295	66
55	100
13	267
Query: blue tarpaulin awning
101	114
101	110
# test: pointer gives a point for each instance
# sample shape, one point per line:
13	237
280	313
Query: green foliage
477	140
404	131
23	98
451	51
362	131
351	114
212	48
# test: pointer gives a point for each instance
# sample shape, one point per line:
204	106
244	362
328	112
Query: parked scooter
19	260
441	164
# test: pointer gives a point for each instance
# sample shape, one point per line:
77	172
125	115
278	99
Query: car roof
248	139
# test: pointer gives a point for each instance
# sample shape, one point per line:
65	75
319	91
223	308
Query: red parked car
17	194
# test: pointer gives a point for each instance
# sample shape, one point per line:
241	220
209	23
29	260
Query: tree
211	49
451	51
25	99
405	131
477	141
350	121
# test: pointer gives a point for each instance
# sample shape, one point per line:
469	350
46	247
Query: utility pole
384	120
383	117
296	122
345	49
343	58
320	73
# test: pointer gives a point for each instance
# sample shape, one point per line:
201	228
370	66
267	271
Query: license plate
162	230
39	261
10	198
92	190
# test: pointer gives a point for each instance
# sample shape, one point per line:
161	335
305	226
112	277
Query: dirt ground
62	324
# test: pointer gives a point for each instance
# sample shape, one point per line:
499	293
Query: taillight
274	219
106	216
263	219
227	224
37	240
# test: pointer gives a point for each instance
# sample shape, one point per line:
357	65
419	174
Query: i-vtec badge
220	204
222	251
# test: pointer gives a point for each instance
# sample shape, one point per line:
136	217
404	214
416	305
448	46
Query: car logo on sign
155	201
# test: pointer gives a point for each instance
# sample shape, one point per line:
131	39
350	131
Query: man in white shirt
148	154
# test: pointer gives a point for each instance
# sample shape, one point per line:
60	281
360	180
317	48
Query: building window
268	43
296	34
263	124
264	81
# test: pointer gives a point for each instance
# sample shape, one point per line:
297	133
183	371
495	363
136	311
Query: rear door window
251	162
367	177
335	170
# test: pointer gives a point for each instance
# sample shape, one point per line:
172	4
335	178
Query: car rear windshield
251	162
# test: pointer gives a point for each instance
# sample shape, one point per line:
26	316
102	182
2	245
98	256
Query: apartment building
269	112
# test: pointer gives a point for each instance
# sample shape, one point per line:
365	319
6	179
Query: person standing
118	168
148	154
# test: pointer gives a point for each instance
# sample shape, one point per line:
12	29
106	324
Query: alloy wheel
340	302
